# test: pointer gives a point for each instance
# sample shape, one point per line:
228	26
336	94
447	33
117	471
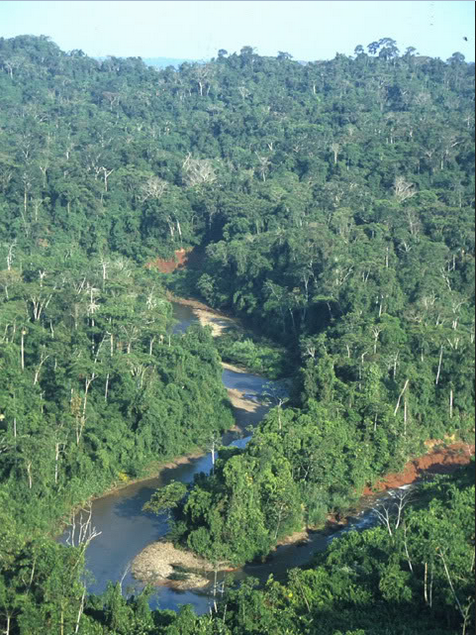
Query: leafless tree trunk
335	149
81	411
153	188
87	384
361	367
106	391
391	513
402	189
405	544
107	174
198	171
400	397
405	417
58	450
104	264
10	255
28	471
22	348
123	577
39	304
376	330
81	531
425	584
213	445
439	367
281	511
80	611
37	373
464	614
431	585
393	363
263	166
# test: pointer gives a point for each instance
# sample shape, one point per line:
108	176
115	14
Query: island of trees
330	206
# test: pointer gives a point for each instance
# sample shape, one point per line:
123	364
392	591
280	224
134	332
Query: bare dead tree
106	174
214	441
440	361
390	513
392	363
43	359
124	574
30	478
40	302
465	611
153	189
405	545
202	74
244	92
428	591
376	330
79	406
10	255
402	189
22	348
400	397
198	171
59	447
263	165
81	531
80	535
80	610
335	149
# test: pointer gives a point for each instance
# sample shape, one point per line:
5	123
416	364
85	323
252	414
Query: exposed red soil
181	260
444	460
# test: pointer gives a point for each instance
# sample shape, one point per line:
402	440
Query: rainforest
327	206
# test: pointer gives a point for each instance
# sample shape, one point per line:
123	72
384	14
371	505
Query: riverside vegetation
331	206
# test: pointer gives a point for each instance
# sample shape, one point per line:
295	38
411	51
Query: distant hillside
163	62
159	62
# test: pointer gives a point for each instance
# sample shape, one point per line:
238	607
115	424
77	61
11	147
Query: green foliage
166	498
332	203
93	390
373	582
257	355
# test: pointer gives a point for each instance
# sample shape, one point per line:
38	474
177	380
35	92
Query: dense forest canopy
331	205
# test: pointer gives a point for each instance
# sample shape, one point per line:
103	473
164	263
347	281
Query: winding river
126	530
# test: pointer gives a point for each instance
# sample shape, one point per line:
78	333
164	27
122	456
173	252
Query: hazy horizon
196	30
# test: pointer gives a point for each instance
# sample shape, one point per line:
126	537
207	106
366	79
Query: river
125	530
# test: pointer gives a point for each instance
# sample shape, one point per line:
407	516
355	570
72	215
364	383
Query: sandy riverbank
218	321
246	413
219	324
160	562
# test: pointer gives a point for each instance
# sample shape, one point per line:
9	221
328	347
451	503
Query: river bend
126	530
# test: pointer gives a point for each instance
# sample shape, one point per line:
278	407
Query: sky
308	30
